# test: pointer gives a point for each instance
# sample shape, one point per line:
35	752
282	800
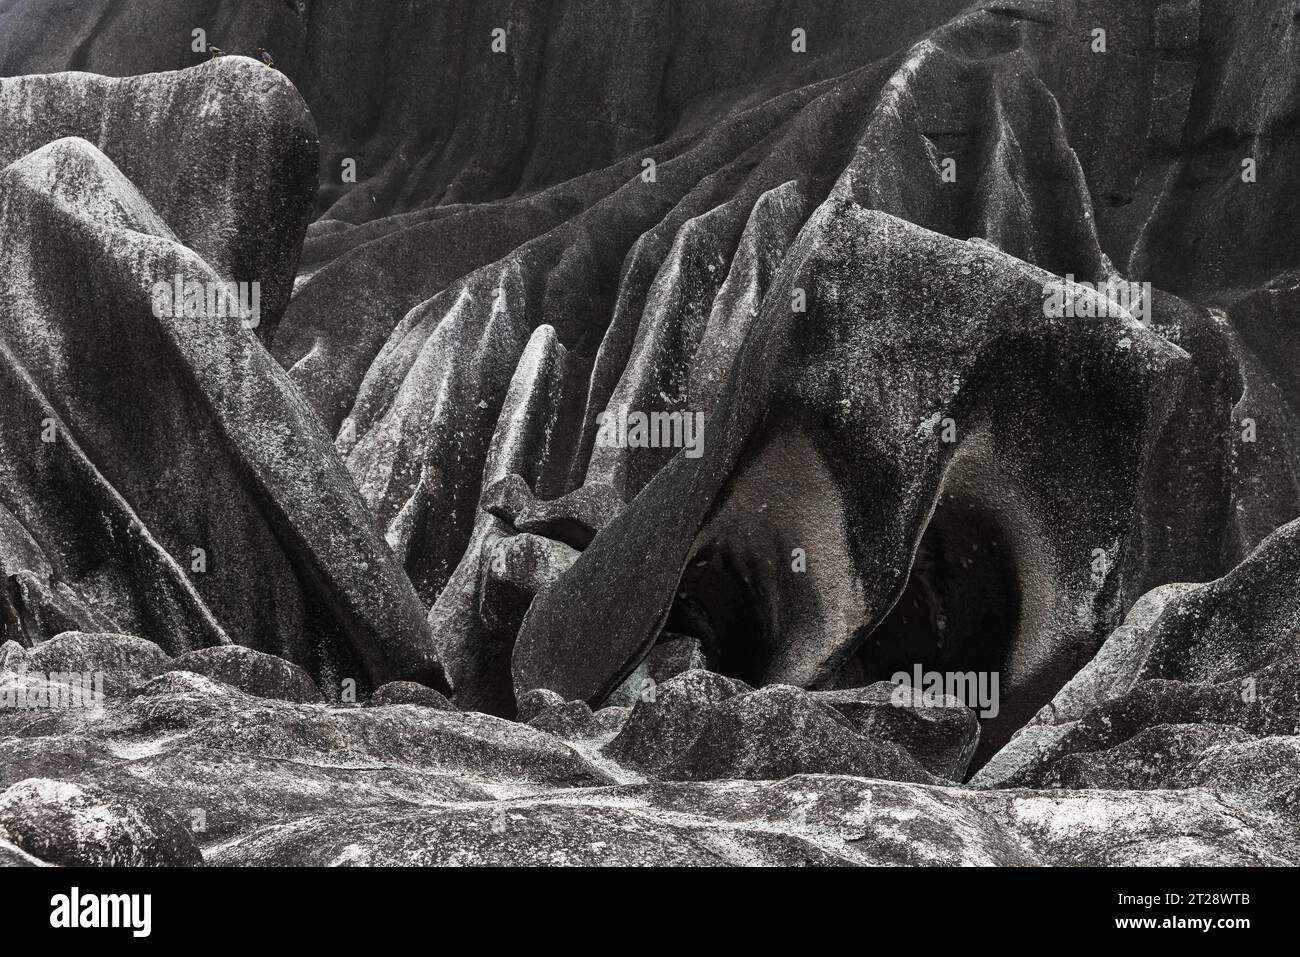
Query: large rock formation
162	477
674	377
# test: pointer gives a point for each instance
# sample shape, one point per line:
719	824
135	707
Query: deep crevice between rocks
978	600
715	606
959	613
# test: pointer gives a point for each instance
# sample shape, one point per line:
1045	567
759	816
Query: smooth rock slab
806	819
557	834
474	746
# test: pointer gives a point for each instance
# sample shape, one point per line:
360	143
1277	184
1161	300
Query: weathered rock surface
573	719
252	672
408	692
532	703
11	856
701	726
123	660
940	732
70	824
804	820
663	727
670	656
12	656
610	719
778	731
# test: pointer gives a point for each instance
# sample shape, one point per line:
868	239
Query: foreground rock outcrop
186	770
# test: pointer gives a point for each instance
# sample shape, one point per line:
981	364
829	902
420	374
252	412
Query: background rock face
821	239
224	153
